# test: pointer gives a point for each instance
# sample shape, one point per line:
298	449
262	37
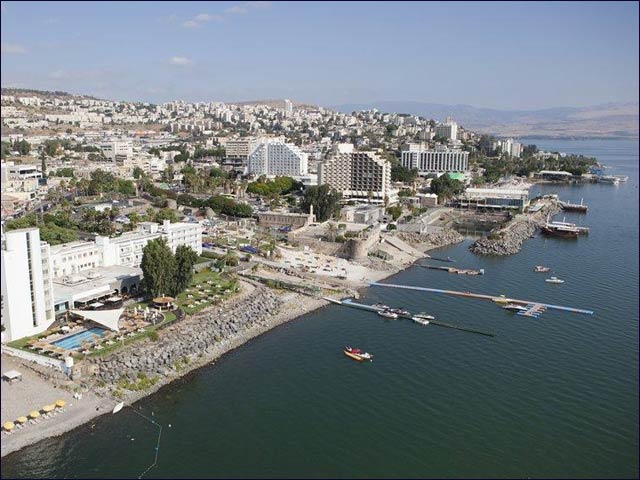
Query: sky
505	55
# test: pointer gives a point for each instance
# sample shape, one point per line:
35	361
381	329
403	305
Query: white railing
34	357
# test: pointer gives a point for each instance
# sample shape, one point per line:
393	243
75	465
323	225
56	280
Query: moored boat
560	230
422	318
388	314
514	307
358	355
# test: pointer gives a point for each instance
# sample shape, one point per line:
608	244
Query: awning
95	296
107	318
96	305
115	298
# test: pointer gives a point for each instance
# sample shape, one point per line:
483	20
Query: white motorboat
387	314
514	307
554	280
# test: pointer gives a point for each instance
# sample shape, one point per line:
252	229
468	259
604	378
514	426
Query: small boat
610	179
358	355
118	407
514	307
541	268
387	314
399	311
423	318
554	280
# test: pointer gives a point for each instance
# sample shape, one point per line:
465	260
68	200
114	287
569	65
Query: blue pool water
74	341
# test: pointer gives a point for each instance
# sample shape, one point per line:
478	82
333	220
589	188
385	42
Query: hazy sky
503	55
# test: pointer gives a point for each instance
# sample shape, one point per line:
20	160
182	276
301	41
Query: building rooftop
95	281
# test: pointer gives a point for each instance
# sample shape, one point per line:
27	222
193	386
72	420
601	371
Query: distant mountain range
612	120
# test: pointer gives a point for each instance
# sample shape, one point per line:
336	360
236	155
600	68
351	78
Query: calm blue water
555	396
73	342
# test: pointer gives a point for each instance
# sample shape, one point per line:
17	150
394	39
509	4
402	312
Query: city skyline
532	56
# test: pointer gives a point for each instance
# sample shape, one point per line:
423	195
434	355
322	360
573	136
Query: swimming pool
74	342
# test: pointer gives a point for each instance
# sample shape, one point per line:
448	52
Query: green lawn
217	287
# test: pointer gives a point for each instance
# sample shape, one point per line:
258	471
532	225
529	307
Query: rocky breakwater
509	239
428	241
197	339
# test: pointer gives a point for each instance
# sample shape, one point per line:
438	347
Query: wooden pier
493	298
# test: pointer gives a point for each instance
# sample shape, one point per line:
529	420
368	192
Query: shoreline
290	309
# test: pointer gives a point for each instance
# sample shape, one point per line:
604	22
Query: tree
395	212
138	173
185	259
158	268
445	187
323	199
23	147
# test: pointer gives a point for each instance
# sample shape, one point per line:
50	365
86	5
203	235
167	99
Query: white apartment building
118	152
27	289
125	250
362	175
21	181
509	147
277	158
437	160
448	130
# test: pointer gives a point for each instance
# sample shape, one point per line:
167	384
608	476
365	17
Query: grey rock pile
190	339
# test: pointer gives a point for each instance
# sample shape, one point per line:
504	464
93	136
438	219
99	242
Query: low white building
125	250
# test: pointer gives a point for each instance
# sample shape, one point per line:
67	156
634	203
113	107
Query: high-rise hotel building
438	160
361	175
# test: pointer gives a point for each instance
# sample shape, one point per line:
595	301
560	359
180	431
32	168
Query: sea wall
187	340
509	240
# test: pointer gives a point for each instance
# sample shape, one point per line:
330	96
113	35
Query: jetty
494	298
371	308
459	271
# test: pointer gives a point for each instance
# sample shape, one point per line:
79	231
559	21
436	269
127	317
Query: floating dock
371	308
493	298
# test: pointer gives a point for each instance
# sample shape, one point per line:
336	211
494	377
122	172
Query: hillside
614	120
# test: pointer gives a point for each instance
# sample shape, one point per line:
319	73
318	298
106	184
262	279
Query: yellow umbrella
22	420
8	426
48	408
34	414
60	403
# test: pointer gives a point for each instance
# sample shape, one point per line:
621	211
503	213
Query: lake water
555	396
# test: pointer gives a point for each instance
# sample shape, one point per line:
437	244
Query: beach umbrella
48	408
22	420
34	414
8	426
60	403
